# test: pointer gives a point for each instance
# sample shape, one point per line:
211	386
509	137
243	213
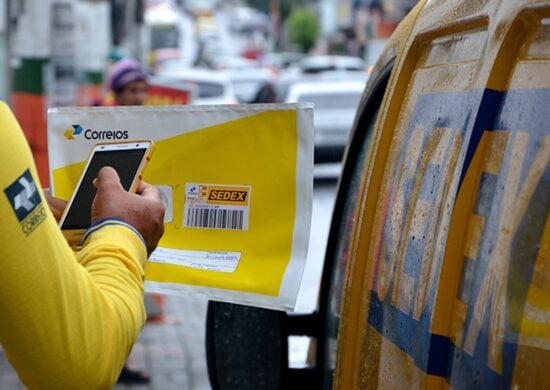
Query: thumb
148	191
107	179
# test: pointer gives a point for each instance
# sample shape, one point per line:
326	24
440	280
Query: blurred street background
56	53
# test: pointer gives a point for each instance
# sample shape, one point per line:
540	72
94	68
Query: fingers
148	191
143	210
57	206
141	187
107	180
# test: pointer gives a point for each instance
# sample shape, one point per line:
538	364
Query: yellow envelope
237	181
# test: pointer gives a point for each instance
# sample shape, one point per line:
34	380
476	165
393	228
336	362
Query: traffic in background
57	53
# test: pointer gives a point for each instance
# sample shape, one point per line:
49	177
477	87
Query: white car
247	82
212	87
335	104
324	63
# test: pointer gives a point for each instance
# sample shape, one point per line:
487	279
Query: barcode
206	217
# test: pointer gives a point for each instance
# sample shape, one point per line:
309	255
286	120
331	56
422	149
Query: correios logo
77	130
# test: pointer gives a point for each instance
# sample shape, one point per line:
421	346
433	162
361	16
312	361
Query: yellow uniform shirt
66	321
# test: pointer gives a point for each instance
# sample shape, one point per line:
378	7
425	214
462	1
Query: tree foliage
303	28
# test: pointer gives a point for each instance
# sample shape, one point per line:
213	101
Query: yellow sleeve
66	321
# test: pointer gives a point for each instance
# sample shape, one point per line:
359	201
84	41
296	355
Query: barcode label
216	206
206	217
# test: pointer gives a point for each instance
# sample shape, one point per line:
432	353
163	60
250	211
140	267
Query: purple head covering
123	72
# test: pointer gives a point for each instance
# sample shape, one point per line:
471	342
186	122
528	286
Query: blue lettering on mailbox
439	145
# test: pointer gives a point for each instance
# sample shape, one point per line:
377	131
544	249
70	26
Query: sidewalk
172	352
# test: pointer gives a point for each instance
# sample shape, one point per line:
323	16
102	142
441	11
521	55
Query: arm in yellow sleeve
66	321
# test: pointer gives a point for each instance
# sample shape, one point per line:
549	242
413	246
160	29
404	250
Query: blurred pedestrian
69	320
127	81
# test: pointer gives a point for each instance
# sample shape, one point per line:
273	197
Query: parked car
171	65
323	63
436	274
232	62
281	60
335	104
248	81
212	87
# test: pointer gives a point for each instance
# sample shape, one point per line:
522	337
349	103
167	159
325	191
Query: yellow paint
535	326
460	310
533	352
492	296
534	340
449	143
450	314
473	236
392	367
495	154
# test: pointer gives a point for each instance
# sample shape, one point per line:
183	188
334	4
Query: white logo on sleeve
23	199
26	202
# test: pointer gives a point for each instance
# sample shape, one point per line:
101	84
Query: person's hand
144	210
57	206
